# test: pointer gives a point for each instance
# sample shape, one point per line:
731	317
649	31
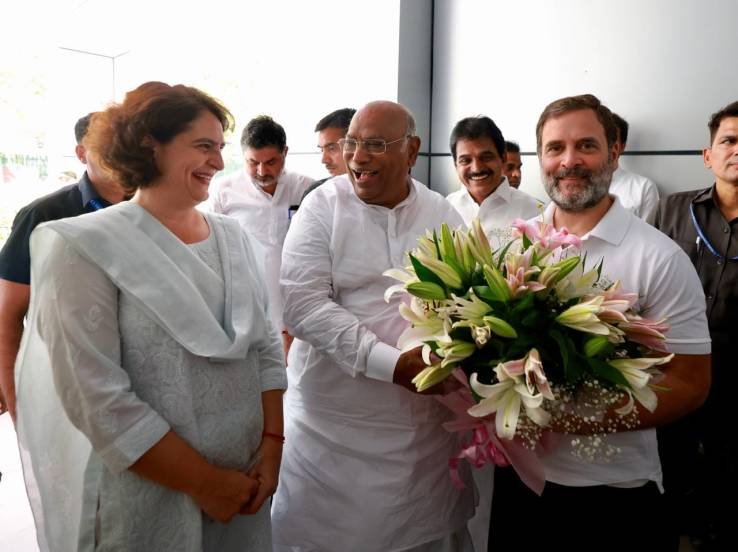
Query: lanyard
702	238
96	204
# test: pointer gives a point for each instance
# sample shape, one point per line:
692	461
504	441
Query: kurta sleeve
271	354
78	322
311	312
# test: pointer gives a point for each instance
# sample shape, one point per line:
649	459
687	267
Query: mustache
576	172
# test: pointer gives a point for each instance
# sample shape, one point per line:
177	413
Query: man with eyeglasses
331	129
705	224
263	198
365	459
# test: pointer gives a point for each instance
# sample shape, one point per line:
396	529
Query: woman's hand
266	472
224	494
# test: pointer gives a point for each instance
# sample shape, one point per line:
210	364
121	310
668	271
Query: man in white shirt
263	198
582	498
331	129
365	464
512	169
636	193
478	149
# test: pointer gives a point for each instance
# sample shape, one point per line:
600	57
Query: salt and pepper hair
578	103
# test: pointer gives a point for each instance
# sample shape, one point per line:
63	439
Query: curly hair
122	135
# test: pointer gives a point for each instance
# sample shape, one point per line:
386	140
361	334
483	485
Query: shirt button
709	297
725	229
719	262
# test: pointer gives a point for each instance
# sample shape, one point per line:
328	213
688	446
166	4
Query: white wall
664	65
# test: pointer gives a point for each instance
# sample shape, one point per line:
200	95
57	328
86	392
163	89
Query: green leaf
425	274
526	242
565	345
526	303
503	252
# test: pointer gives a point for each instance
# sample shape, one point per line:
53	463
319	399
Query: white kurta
648	263
636	193
365	462
133	333
497	211
266	218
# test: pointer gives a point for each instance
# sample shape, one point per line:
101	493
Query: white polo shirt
497	211
649	263
636	193
264	217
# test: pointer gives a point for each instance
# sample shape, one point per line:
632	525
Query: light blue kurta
144	334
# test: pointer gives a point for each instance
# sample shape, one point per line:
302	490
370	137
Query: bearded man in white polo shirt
478	149
615	504
263	198
364	466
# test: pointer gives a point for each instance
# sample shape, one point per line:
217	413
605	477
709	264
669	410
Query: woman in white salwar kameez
150	377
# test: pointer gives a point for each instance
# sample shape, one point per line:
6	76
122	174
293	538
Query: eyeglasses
333	147
374	146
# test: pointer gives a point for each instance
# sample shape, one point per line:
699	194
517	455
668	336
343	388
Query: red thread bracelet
276	436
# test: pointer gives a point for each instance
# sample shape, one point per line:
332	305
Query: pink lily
646	332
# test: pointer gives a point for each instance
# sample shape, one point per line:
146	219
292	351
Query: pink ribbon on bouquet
485	447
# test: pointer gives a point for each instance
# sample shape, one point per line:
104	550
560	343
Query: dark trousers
577	518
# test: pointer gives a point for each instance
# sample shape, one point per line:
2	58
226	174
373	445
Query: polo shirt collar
611	228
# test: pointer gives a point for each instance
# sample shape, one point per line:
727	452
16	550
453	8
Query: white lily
520	382
583	317
471	311
639	372
430	376
577	283
426	326
401	275
455	351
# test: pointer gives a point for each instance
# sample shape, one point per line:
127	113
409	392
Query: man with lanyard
95	190
704	223
263	198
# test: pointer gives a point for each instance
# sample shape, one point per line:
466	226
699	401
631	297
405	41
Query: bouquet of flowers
539	339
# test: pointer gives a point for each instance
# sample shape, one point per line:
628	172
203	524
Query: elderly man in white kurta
478	149
365	460
263	197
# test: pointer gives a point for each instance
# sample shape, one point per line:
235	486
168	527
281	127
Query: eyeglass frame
362	143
